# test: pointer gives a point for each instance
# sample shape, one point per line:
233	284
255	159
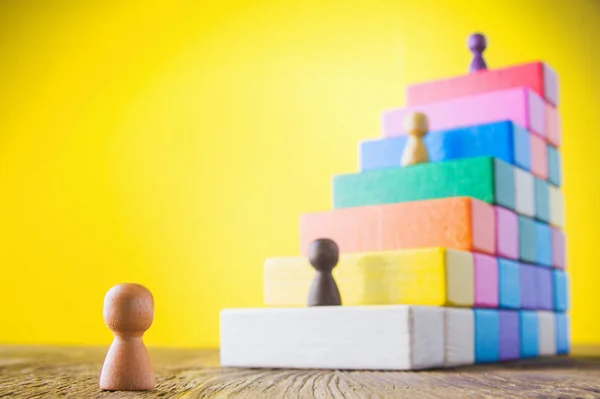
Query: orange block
461	223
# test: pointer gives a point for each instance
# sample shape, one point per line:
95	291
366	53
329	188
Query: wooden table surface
51	372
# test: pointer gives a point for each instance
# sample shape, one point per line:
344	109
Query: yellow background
175	144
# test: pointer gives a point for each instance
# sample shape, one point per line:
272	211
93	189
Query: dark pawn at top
323	255
477	44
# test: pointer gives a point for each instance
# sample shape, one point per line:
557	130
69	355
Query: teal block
484	178
529	334
509	287
562	333
542	200
527	248
543	244
554	166
487	335
559	282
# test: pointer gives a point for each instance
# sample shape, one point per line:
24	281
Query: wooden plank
484	178
379	278
536	76
456	223
519	105
52	372
336	337
503	140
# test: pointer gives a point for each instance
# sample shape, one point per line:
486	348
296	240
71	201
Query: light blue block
542	200
554	166
529	333
562	333
509	286
504	184
527	247
543	244
487	335
503	140
559	282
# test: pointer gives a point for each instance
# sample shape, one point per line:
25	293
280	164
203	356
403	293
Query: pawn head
416	124
128	309
323	254
476	42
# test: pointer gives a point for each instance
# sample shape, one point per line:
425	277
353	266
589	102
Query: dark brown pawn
323	255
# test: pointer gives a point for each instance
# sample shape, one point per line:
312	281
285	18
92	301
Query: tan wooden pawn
128	313
415	151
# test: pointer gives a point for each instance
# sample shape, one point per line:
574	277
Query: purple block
529	297
558	248
544	288
507	233
510	344
486	281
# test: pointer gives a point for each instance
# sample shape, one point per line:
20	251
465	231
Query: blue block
545	288
527	248
487	335
543	244
559	281
554	167
504	184
562	333
542	200
502	140
528	328
509	287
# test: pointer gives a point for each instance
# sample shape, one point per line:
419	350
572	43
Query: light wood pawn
128	313
415	151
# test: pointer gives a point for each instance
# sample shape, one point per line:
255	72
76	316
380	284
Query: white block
459	331
524	193
396	337
557	207
547	333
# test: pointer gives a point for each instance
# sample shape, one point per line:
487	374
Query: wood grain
36	372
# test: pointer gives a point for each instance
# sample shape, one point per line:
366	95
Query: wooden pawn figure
323	255
128	313
415	151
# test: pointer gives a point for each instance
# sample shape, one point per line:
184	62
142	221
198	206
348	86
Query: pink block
539	157
558	248
486	281
553	127
507	233
519	105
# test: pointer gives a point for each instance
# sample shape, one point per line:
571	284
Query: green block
484	178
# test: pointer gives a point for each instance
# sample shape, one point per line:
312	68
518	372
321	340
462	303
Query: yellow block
428	276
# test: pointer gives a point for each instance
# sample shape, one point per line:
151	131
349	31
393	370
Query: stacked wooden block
457	261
